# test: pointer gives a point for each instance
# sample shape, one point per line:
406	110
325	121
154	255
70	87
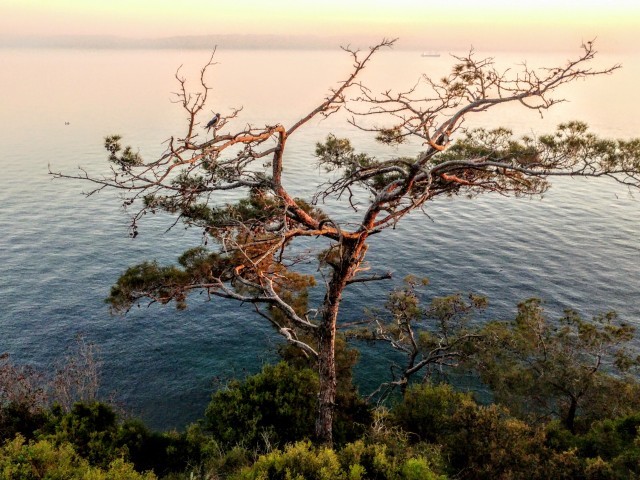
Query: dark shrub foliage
277	406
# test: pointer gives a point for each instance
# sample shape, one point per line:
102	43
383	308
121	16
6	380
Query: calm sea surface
60	252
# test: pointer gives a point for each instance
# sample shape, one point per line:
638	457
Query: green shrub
489	443
161	452
418	469
426	411
356	461
96	435
20	418
388	462
481	442
92	429
45	460
611	448
610	438
276	406
353	415
299	461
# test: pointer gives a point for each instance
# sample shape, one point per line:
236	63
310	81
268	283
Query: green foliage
391	136
616	442
571	148
428	338
489	444
497	145
564	369
163	282
298	461
277	406
427	410
356	461
46	460
243	228
127	159
208	459
573	140
480	442
200	262
353	413
92	430
97	436
390	460
274	407
19	418
161	452
338	154
433	430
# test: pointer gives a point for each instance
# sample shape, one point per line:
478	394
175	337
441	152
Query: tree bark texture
351	257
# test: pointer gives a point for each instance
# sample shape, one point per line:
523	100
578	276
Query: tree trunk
327	341
327	375
569	419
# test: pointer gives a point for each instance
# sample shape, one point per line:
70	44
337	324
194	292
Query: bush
426	411
161	452
299	461
92	430
612	447
96	435
276	406
45	460
388	462
481	442
19	418
356	461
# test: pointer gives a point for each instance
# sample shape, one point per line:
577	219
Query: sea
577	246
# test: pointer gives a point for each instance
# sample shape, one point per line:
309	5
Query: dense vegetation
541	374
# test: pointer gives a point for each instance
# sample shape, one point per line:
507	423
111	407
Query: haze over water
579	247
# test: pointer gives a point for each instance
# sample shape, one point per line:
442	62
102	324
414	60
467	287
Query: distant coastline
248	42
195	42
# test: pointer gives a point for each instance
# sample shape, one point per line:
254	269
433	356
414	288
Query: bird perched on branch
213	122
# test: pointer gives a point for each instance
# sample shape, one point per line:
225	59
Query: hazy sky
452	23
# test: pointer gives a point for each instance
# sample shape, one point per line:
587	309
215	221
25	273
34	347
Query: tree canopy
230	185
550	369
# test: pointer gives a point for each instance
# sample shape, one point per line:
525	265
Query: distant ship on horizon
430	54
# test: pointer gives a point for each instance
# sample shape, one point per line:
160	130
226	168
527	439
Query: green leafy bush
18	418
391	461
97	436
298	461
480	442
356	461
45	460
426	411
92	429
276	406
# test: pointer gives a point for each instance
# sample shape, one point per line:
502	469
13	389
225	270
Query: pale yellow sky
543	24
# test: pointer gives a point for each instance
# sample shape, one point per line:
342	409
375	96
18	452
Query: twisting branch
226	179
